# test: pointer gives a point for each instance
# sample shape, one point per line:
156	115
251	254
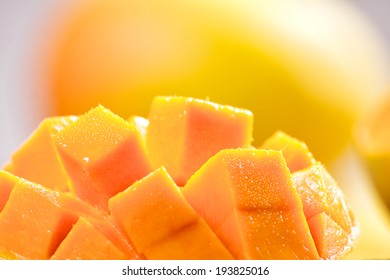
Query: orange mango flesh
185	177
179	245
85	242
277	234
319	193
100	221
331	240
7	182
32	222
37	159
320	196
251	186
102	154
183	133
41	208
155	215
295	152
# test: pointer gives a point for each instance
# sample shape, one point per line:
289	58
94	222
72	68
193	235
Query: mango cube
183	133
102	154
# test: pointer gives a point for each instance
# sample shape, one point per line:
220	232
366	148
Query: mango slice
160	223
85	242
37	159
102	154
184	133
256	206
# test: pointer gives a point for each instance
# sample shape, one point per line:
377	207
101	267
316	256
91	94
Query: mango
258	210
85	242
319	62
183	133
102	154
37	158
186	177
160	222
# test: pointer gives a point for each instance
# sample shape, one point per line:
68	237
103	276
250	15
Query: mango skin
251	54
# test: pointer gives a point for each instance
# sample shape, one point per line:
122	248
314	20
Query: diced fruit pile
183	183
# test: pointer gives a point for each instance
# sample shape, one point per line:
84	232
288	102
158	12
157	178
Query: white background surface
21	24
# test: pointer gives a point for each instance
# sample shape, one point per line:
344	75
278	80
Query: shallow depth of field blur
314	69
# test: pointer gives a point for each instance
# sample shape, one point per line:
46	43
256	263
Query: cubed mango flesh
32	222
335	233
248	199
331	240
193	242
85	242
7	182
320	195
102	154
183	133
153	213
37	158
100	220
295	152
184	183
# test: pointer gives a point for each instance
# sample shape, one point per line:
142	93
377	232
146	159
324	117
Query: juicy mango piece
85	242
7	182
32	223
100	221
336	232
295	152
254	190
37	159
44	217
155	216
183	133
320	193
331	240
102	154
179	245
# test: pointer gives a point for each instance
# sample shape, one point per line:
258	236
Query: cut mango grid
183	183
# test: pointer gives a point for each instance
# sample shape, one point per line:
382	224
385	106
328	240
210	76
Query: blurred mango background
316	69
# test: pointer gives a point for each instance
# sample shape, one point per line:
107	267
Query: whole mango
305	67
